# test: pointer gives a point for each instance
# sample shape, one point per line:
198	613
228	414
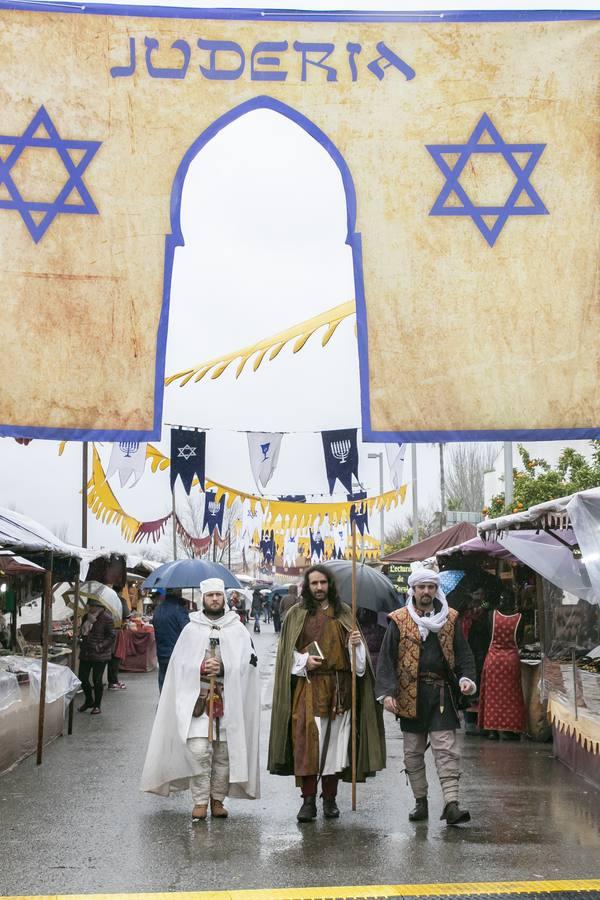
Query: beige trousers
445	754
213	781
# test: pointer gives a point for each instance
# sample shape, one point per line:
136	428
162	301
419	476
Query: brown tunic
327	692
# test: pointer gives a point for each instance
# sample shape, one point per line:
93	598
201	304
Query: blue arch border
175	239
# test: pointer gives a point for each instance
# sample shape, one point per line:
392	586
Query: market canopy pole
76	592
415	499
508	474
47	610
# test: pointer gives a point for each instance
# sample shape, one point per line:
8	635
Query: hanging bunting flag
252	516
264	450
339	541
154	530
341	456
188	456
317	547
290	550
127	458
267	546
360	515
395	457
213	513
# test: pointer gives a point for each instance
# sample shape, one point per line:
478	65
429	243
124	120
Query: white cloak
169	765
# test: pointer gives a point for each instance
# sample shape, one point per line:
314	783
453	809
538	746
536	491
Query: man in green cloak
311	717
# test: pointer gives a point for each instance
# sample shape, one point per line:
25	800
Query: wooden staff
353	725
211	693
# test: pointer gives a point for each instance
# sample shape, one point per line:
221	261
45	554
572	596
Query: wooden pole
47	609
74	644
174	517
354	666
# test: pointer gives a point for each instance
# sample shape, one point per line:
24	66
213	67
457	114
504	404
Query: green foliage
540	482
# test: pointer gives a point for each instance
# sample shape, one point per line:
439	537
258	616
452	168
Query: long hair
307	599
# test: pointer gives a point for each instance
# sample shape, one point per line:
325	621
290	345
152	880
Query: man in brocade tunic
311	721
425	666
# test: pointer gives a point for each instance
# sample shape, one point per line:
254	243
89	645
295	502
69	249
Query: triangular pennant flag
264	454
127	458
188	456
213	513
395	457
341	456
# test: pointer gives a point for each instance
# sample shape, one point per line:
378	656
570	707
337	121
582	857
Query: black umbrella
373	590
188	573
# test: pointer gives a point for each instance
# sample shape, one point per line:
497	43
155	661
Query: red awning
458	534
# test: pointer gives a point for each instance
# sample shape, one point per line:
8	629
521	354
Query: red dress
501	705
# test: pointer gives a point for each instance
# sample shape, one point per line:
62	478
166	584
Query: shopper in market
206	730
425	668
169	619
95	650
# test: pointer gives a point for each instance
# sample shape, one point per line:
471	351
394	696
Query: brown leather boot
199	812
217	810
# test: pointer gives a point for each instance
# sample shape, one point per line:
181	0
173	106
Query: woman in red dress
501	705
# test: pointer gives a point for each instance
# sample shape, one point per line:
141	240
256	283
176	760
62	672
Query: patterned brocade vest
409	653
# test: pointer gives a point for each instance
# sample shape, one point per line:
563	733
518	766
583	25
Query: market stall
559	541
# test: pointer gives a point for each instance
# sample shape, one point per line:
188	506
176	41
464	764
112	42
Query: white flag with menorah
127	458
341	456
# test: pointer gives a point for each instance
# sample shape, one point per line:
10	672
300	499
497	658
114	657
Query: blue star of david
477	144
30	211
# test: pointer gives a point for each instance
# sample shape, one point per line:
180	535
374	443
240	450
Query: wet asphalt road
79	823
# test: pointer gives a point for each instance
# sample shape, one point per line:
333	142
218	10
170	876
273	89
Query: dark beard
214	613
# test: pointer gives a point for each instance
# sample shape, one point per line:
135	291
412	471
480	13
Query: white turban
212	585
432	623
423	575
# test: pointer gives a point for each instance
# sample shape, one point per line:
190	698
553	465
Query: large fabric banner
467	145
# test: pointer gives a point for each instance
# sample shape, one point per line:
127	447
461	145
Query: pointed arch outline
175	238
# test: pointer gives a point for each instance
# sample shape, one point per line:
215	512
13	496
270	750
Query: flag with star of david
188	457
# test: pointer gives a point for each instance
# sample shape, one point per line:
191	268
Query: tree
468	464
401	534
539	481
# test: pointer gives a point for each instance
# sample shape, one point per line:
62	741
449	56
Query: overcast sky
240	278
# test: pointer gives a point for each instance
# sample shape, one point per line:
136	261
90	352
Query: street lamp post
379	456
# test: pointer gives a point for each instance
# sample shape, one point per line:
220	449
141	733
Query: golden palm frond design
272	345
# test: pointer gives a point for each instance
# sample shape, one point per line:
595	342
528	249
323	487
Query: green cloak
370	735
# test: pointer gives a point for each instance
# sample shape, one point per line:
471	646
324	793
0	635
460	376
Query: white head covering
212	585
435	621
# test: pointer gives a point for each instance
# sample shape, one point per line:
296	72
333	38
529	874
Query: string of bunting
285	514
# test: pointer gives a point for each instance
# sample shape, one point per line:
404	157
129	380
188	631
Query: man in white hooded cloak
180	754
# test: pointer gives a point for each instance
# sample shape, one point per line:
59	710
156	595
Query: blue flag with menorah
188	456
213	513
341	456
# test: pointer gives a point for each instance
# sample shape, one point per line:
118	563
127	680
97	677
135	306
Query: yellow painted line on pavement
380	891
